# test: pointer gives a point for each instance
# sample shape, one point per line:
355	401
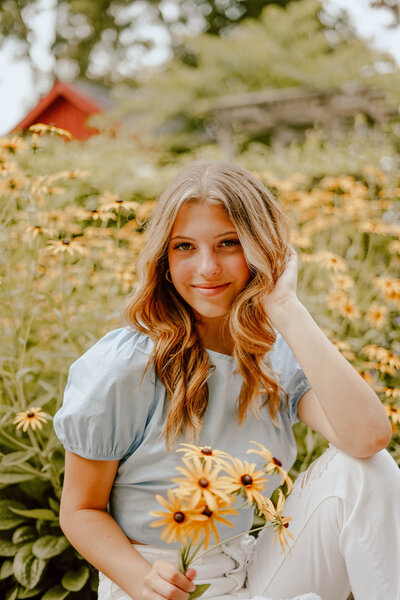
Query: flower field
67	264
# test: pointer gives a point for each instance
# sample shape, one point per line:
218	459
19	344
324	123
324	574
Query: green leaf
9	520
8	478
75	580
26	533
12	594
27	568
6	569
49	546
55	593
26	593
44	514
15	458
54	505
7	548
199	591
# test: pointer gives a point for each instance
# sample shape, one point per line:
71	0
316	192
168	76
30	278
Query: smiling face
206	260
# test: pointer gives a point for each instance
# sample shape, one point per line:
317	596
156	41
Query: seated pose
219	351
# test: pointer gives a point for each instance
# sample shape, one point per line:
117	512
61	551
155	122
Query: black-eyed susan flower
180	521
67	245
211	517
205	453
376	315
51	129
113	201
393	412
243	478
201	483
33	417
12	145
350	310
279	523
273	465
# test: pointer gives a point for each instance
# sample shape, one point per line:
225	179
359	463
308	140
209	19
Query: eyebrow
183	237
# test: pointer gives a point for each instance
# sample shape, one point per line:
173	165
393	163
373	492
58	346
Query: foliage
88	29
289	47
69	238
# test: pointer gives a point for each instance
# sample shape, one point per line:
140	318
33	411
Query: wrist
282	315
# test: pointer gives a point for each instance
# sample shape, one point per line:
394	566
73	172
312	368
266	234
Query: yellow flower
336	299
34	417
66	245
113	201
51	129
345	349
393	412
376	315
245	480
180	520
350	310
279	523
201	482
273	465
343	282
13	144
211	516
331	261
205	453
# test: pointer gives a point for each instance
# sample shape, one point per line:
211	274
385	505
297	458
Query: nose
208	264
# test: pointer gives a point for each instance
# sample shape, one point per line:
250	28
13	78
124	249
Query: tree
106	40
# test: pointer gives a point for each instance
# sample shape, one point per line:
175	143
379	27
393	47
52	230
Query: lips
211	290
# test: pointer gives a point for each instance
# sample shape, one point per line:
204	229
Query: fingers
165	581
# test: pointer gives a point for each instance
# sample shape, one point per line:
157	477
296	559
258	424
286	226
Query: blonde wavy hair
156	309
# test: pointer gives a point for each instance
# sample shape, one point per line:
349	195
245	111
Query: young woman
214	320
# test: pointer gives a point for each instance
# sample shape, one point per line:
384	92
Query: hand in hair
284	292
166	581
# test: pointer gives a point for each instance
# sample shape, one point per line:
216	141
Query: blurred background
101	103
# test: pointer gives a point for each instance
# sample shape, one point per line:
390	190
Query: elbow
378	440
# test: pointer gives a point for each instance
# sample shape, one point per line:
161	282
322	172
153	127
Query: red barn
68	106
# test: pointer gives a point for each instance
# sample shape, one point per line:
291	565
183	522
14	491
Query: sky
19	91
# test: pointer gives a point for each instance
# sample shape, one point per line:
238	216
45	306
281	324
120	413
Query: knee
378	474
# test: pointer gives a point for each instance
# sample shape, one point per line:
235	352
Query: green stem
14	441
234	537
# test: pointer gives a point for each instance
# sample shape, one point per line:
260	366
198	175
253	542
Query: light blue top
110	413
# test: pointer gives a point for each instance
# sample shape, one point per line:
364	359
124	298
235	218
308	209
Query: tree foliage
106	39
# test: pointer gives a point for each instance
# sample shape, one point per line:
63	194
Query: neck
214	334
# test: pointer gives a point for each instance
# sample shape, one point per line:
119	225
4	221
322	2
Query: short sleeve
291	376
107	400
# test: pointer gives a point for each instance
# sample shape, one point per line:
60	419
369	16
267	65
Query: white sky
19	91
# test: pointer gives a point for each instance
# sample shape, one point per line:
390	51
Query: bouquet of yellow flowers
212	481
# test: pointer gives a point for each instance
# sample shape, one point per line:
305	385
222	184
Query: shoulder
119	348
109	396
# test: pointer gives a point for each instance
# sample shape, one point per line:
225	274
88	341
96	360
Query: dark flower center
179	517
246	480
30	414
203	482
207	512
286	525
206	451
66	242
276	461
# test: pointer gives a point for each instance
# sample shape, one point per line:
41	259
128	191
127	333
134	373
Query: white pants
346	524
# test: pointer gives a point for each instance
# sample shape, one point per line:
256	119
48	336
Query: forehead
200	217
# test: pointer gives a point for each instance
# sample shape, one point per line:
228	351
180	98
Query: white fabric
346	523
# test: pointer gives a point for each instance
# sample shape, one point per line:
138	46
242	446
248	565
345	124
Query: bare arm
95	534
341	405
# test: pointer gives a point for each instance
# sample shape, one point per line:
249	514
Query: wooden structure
68	106
286	113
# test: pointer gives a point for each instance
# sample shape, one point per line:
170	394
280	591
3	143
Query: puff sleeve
291	376
107	401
